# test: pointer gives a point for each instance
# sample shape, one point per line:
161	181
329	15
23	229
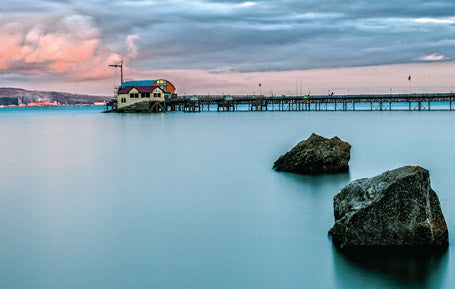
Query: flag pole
409	80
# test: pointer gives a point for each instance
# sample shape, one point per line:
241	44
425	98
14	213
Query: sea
190	200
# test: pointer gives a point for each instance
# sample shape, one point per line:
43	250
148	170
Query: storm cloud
282	35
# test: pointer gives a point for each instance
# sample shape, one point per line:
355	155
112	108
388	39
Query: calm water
91	200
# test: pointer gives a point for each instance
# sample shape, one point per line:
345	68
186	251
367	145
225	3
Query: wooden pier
371	102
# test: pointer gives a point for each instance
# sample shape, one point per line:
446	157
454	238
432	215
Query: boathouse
144	95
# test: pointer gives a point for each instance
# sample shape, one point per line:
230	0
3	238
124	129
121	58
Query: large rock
395	209
316	155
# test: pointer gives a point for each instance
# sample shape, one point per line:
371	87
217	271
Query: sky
229	47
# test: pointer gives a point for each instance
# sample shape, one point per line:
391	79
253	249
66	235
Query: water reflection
410	267
319	181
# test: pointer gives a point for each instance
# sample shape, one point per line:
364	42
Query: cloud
284	35
247	4
263	35
69	46
52	44
133	51
74	40
432	57
435	21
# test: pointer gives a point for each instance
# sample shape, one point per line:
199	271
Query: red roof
141	89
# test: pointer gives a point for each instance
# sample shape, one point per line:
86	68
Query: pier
364	102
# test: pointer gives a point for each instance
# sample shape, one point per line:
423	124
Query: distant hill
13	96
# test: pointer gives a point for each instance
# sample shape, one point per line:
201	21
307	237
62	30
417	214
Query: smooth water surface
190	200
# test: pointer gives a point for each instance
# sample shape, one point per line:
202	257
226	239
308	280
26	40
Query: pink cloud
8	50
69	46
432	57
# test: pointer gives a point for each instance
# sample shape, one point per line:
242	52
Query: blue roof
138	83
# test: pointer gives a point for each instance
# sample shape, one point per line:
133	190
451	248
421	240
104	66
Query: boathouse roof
136	83
165	85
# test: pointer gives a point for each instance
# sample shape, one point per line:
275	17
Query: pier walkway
370	102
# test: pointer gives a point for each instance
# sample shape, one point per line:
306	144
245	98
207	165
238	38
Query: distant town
17	97
47	103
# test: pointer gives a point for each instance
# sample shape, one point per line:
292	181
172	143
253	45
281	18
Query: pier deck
372	102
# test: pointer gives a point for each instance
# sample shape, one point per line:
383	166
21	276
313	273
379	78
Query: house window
156	94
162	84
123	100
146	94
134	95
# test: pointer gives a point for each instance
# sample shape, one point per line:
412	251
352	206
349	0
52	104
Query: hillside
13	96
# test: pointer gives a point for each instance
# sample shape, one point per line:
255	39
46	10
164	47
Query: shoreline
59	105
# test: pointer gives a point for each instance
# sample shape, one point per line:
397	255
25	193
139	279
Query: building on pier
145	92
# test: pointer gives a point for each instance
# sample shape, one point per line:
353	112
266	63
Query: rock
316	155
395	209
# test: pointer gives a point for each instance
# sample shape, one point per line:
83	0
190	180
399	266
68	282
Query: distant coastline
51	104
17	97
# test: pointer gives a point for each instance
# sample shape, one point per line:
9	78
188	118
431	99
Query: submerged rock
395	209
316	155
